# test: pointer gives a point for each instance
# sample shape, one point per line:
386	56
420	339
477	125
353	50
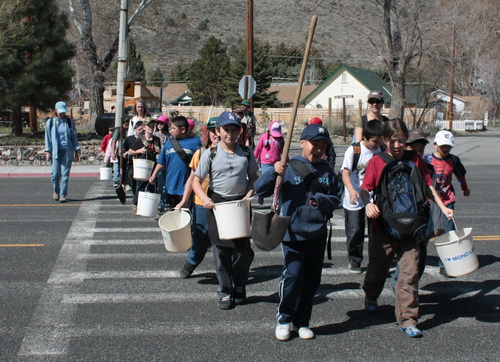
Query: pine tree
179	71
208	73
35	68
136	71
262	75
155	78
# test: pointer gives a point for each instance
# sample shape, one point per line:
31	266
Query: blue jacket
51	144
307	221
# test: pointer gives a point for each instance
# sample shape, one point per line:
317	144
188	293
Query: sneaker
116	185
134	209
55	196
62	199
304	332
225	302
355	269
240	294
282	331
128	188
187	270
371	305
443	272
412	332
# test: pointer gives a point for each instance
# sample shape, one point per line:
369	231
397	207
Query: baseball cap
275	129
138	124
212	122
417	135
315	132
191	124
61	107
245	102
163	119
444	138
316	120
227	118
376	94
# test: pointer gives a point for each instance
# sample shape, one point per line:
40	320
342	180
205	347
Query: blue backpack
401	198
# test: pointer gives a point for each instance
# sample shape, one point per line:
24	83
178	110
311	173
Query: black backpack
401	197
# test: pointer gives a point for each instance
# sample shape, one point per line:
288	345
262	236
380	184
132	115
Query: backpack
356	147
401	197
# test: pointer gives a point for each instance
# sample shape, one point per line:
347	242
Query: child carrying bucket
232	170
443	165
199	228
303	246
382	247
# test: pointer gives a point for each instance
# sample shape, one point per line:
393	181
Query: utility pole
122	63
249	67
452	79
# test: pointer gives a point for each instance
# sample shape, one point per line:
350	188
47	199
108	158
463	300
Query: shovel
268	229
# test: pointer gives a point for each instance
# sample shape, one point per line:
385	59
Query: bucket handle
147	188
454	223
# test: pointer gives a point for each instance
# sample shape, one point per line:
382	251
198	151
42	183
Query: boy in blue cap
232	172
304	242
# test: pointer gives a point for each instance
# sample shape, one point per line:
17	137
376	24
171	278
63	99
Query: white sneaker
304	332
283	332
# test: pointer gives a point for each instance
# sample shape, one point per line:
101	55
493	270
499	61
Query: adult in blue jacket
304	242
61	148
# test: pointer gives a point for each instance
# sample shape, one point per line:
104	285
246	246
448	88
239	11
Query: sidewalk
44	171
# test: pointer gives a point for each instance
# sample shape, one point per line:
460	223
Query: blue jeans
60	170
116	172
200	239
300	280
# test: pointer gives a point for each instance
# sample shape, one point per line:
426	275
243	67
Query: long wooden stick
291	123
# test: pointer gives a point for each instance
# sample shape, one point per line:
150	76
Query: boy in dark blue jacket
304	242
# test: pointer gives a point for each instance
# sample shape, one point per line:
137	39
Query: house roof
287	91
172	92
366	77
434	97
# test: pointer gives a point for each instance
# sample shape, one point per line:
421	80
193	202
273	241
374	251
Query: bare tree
97	64
395	28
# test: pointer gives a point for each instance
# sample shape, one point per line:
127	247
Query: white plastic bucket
105	173
142	169
147	203
233	219
176	230
456	251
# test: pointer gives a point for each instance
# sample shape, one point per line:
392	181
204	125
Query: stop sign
252	86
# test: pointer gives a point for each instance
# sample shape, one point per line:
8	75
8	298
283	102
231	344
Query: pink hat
316	120
275	129
163	119
191	124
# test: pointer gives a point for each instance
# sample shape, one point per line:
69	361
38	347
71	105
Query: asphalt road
89	280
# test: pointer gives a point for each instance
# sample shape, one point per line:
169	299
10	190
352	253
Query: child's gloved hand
467	193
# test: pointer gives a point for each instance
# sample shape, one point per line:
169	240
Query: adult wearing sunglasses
375	104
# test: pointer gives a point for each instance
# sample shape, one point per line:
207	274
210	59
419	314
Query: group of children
222	169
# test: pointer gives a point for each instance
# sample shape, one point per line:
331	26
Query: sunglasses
374	101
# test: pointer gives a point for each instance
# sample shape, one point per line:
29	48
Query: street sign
251	87
129	89
350	96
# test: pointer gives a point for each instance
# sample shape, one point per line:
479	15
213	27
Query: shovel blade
268	229
120	192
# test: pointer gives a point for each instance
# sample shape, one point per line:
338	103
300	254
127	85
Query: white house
347	81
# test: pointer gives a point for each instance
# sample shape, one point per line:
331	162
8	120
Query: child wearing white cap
442	165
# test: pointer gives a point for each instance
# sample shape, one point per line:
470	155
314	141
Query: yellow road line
34	205
19	245
486	237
